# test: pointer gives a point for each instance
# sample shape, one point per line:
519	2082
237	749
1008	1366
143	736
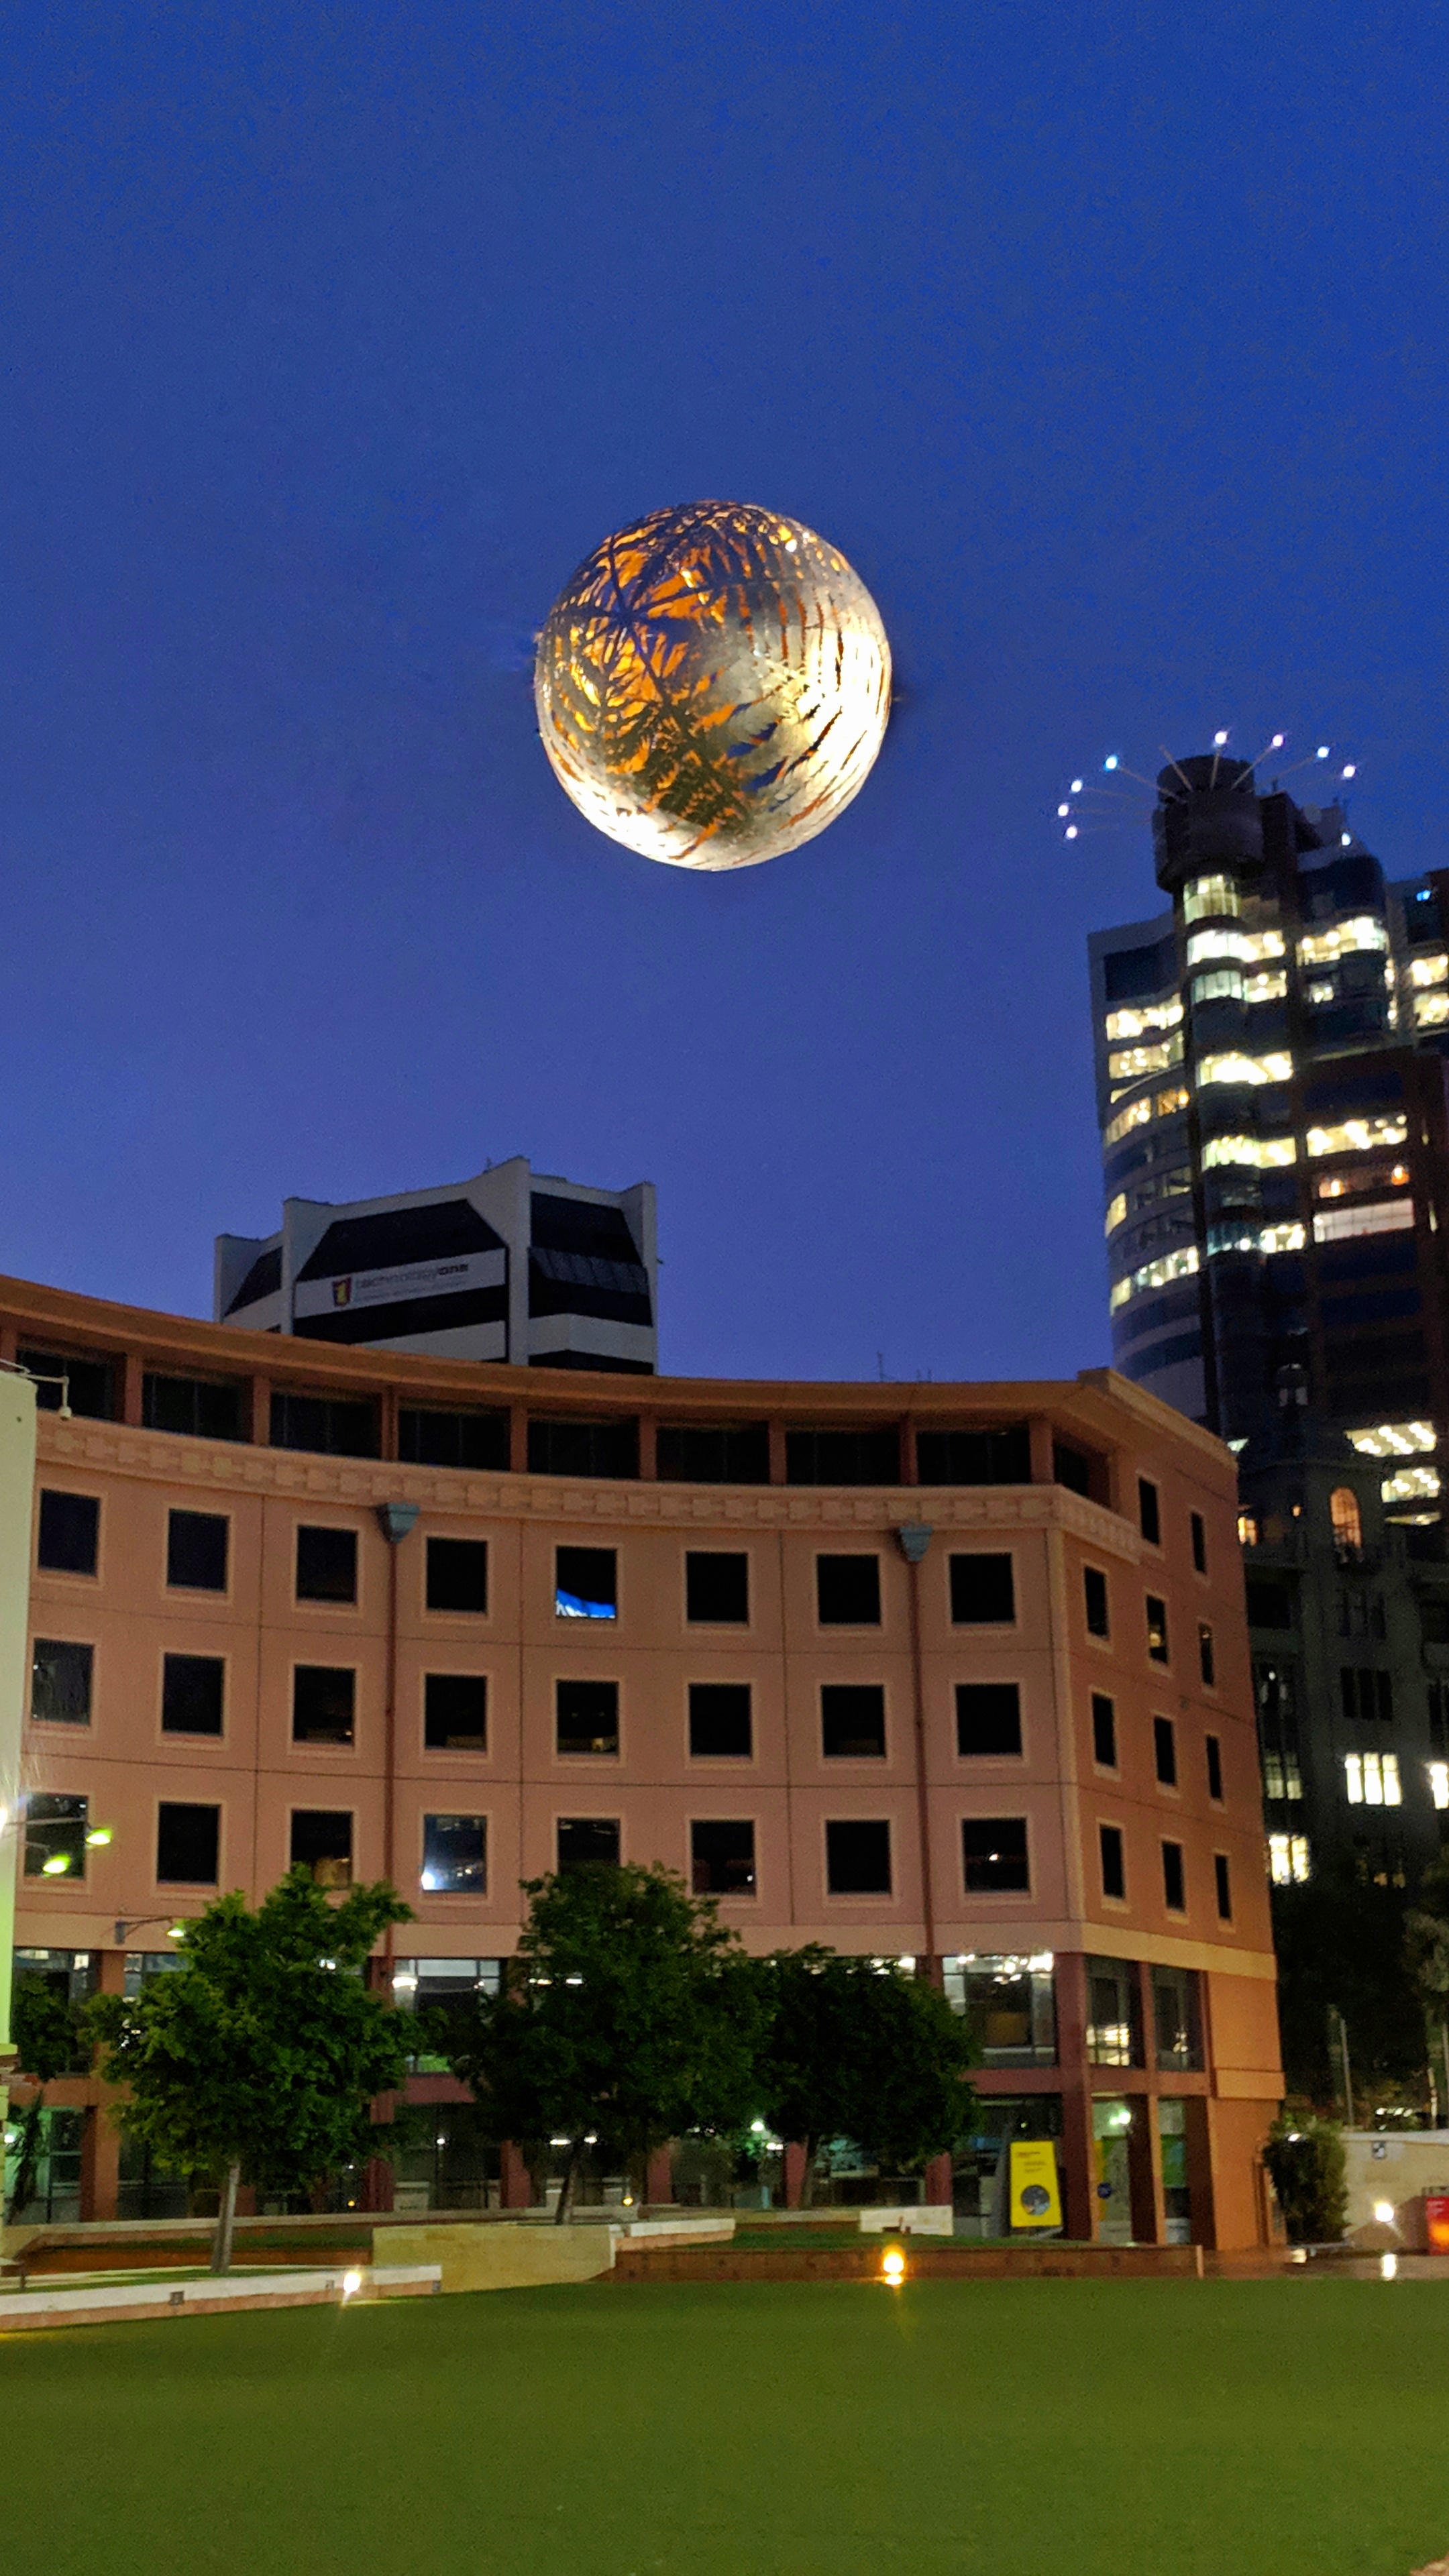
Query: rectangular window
55	1834
1114	1861
847	1591
426	1438
60	1682
1072	1468
1207	1660
1149	1511
1222	1873
1164	1749
983	1592
457	1576
1114	2018
732	1453
994	1855
858	1858
188	1845
588	1717
716	1588
720	1721
455	1856
843	1457
1214	1750
1372	1780
582	1448
89	1387
1289	1864
70	1533
1010	2003
1104	1731
1176	2012
722	1856
336	1426
988	1718
587	1838
1199	1542
192	1689
323	1703
322	1842
852	1721
1174	1883
197	1408
455	1712
1094	1594
326	1565
586	1583
1156	1628
974	1457
197	1550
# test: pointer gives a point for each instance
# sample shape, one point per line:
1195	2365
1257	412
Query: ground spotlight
893	2267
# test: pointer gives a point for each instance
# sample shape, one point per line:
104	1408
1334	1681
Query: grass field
1147	2428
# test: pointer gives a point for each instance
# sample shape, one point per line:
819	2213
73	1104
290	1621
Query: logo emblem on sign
341	1292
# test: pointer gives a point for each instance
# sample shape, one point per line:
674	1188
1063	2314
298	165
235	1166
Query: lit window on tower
1288	1859
1372	1779
1141	1023
1211	895
1233	1067
1359	1135
1345	939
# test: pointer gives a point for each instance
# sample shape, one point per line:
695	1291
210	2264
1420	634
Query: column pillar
1201	2196
377	2184
939	2185
1079	2157
659	2177
795	2164
1144	2172
648	1449
132	1371
515	2183
1043	1441
518	1440
100	2164
777	1453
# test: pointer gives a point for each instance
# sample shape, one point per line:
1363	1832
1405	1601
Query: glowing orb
713	685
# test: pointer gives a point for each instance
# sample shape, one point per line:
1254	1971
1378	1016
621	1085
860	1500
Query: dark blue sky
1108	342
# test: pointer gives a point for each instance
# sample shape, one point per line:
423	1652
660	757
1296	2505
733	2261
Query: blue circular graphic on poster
1104	2191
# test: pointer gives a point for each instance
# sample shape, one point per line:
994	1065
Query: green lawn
1282	2428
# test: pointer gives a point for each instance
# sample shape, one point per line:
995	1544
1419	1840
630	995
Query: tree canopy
256	2060
47	2037
1341	1943
856	2048
627	2017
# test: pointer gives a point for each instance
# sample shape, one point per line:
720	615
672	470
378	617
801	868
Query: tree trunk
566	2193
225	2220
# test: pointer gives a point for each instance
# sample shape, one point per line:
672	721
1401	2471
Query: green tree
858	2049
1304	2155
257	2059
628	2016
1426	1950
47	2037
1340	1944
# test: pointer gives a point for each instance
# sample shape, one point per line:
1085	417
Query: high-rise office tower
510	1265
1271	1078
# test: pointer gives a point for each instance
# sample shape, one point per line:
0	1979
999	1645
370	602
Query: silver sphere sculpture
713	685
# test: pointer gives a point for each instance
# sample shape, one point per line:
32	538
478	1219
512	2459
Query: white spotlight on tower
1219	739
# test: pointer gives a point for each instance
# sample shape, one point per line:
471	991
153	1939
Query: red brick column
659	2181
515	2185
100	2164
377	2184
1079	2158
938	2191
794	2173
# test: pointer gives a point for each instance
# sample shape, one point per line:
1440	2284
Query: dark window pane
1156	1628
982	1590
852	1721
1384	1689
1072	1468
322	1842
709	1454
90	1384
993	1849
722	1857
720	1727
1173	1883
323	1698
429	1439
1270	1605
188	1842
1199	1542
1114	1865
974	1457
582	1448
1148	1511
1207	1660
337	1426
192	1689
847	1591
1094	1594
1164	1751
1222	1873
716	1587
326	1564
842	1457
1214	1767
1179	2022
455	1855
988	1718
587	1838
858	1858
455	1712
1114	2019
588	1717
457	1575
196	1551
199	1408
586	1583
70	1533
1104	1730
60	1682
55	1834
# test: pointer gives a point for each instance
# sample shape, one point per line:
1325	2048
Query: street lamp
126	1924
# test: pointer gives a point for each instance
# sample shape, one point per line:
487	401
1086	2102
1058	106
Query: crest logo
341	1292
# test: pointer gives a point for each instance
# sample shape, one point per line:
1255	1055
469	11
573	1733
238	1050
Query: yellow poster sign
1036	2200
